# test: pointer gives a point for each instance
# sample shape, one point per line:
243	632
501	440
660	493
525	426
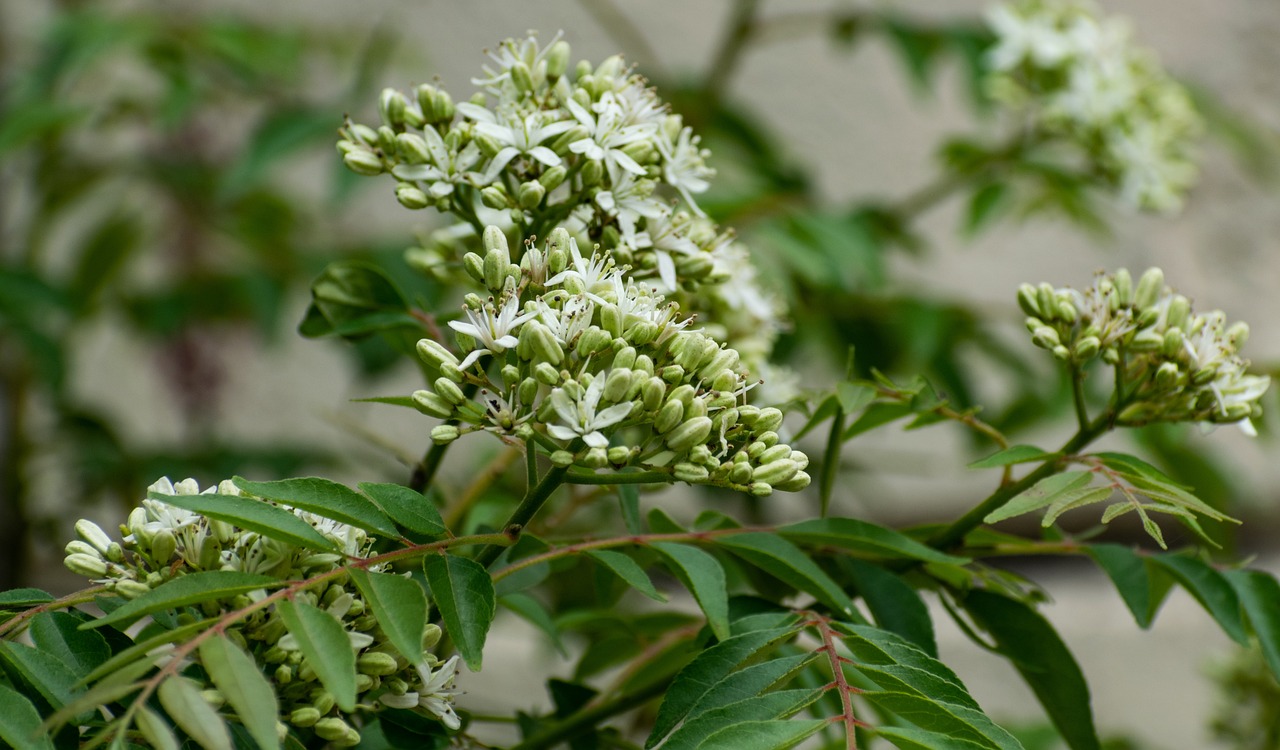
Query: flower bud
546	373
673	374
1028	300
391	105
690	473
557	59
430	637
689	434
1045	337
363	163
412	148
553	177
364	133
411	197
495	197
760	489
1173	341
652	393
376	663
332	728
641	151
542	343
619	455
1149	288
740	473
596	458
562	458
770	419
1166	376
93	534
670	415
1123	283
1146	341
1087	348
432	405
794	484
773	453
530	194
642	332
434	354
443	434
437	105
593	341
616	385
775	472
129	588
90	566
592	172
527	391
163	545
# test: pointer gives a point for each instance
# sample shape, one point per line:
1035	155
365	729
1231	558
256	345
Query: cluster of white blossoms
1174	365
591	149
602	372
164	542
1075	76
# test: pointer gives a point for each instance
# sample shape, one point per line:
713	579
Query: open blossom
685	167
518	136
434	694
491	327
609	134
582	417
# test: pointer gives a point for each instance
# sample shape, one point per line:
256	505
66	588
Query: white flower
609	134
500	412
1020	37
684	167
570	320
581	418
435	694
665	237
445	169
595	274
507	55
491	328
629	200
518	136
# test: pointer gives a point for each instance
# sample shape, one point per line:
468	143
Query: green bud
432	405
774	453
625	357
1067	311
527	391
642	151
437	105
740	473
364	134
562	458
619	455
283	676
522	77
553	177
129	588
81	547
332	728
1047	300
430	636
726	382
1028	300
720	361
542	343
530	194
652	393
697	408
546	373
474	266
1173	340
412	148
760	489
673	374
449	391
443	434
775	472
769	420
376	663
391	105
93	534
1045	337
434	354
1179	312
411	197
321	699
748	414
395	686
1087	348
495	197
593	341
671	414
1204	375
642	332
591	174
690	472
695	266
557	60
1146	341
1166	377
163	545
386	139
90	566
683	393
363	163
794	484
1061	352
689	434
596	458
1149	288
1124	287
1237	334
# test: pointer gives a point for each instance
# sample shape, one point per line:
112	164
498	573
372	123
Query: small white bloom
684	165
608	135
435	694
519	136
491	328
581	418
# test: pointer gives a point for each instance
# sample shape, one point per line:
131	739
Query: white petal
545	155
475	112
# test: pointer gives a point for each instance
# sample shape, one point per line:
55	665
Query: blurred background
169	188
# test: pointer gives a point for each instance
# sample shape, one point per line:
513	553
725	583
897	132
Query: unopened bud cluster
587	147
570	352
1174	365
1077	77
162	542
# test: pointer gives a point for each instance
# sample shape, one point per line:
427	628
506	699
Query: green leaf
59	634
191	588
896	606
1075	499
702	575
1209	587
400	606
102	255
324	498
957	722
628	570
762	735
1043	493
708	671
877	414
1260	597
898	666
784	561
155	730
986	204
865	538
463	592
910	738
1015	454
23	598
629	500
532	612
236	675
407	507
354	297
1131	573
749	681
183	702
252	514
777	705
20	723
1043	660
326	647
826	409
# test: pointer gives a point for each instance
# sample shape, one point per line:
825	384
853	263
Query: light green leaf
326	647
155	729
400	606
762	735
910	738
694	732
1045	492
709	671
463	592
898	666
1209	587
784	561
1260	598
253	515
324	498
896	606
1034	648
20	726
236	675
188	709
1015	454
192	588
59	634
1077	498
407	507
1141	591
628	570
702	575
865	538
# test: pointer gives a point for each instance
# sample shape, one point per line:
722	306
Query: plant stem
831	461
633	477
533	501
955	533
425	472
1077	395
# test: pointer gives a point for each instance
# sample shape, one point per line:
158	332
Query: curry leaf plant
596	340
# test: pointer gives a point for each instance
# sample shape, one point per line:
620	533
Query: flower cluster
1174	365
1077	77
164	542
601	371
591	149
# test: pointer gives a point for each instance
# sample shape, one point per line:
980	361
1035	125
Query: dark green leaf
532	611
898	666
863	537
23	598
662	523
463	592
59	634
777	705
1043	493
325	645
749	681
784	561
629	500
877	414
407	507
102	256
1209	587
986	204
252	514
628	570
702	575
1260	597
896	606
957	722
1043	660
237	676
1015	454
324	498
1131	573
762	735
45	673
183	702
707	672
910	738
400	606
191	588
20	726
